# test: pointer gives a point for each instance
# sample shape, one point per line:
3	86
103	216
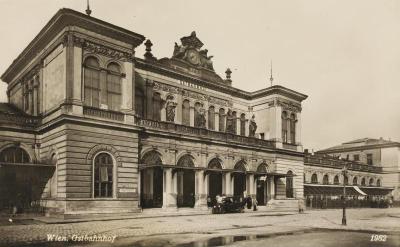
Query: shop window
14	155
103	175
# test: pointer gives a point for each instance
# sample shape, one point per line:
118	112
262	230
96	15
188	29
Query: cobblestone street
175	230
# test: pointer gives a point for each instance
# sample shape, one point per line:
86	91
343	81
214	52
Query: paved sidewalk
183	229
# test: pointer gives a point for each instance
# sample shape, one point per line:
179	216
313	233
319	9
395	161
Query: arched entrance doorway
151	181
214	179
239	179
262	191
289	185
185	178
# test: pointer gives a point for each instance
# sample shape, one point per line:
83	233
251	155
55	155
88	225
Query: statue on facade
230	125
252	127
170	108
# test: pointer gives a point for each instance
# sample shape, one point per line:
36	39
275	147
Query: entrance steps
283	205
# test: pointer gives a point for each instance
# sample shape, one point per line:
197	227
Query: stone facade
115	133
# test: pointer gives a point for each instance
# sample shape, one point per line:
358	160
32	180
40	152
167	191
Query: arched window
14	155
263	168
378	183
336	180
355	181
221	119
152	158
346	180
363	181
114	90
243	124
157	106
185	161
314	179
293	128
284	127
371	182
186	112
211	118
325	179
240	166
103	175
91	70
234	117
139	102
215	164
289	185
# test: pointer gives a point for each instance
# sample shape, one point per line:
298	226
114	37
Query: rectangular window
356	157
369	159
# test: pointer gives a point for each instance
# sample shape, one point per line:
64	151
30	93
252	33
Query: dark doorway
151	184
239	184
261	191
186	188
214	185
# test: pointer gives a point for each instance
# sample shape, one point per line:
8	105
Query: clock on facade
193	57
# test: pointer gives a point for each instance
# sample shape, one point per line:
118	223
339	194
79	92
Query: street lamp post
344	220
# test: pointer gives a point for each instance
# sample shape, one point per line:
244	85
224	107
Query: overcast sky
345	55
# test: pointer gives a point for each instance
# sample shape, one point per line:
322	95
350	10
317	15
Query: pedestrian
301	206
248	202
208	201
255	204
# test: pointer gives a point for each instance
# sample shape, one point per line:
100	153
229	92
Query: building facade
90	127
377	162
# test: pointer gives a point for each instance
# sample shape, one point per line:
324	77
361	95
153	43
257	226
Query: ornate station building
89	127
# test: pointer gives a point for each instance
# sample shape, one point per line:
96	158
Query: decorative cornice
288	105
104	50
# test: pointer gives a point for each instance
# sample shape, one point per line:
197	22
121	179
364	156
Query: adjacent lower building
89	127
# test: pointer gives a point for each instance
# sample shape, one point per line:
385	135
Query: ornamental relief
190	94
288	106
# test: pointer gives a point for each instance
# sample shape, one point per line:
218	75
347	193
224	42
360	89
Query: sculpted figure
229	122
170	109
252	127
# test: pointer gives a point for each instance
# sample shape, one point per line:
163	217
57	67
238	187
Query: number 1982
376	238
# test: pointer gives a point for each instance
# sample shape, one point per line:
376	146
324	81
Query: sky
343	54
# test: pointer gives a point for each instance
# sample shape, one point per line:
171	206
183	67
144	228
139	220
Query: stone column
191	115
169	200
238	126
149	99
252	190
271	185
163	114
227	184
128	92
103	88
35	95
200	197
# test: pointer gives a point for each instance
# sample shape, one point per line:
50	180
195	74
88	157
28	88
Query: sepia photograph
200	123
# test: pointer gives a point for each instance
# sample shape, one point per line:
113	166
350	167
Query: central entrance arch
151	181
262	191
185	182
214	179
239	179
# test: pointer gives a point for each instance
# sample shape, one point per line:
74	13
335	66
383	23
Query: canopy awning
376	191
331	190
34	165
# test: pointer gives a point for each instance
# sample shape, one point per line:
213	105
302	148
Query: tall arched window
325	179
293	128
114	90
336	180
371	182
103	175
363	181
14	155
91	70
139	102
314	179
355	181
243	124
221	119
284	127
186	112
211	117
157	106
289	185
378	183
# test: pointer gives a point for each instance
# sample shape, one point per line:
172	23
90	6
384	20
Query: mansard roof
359	144
64	18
